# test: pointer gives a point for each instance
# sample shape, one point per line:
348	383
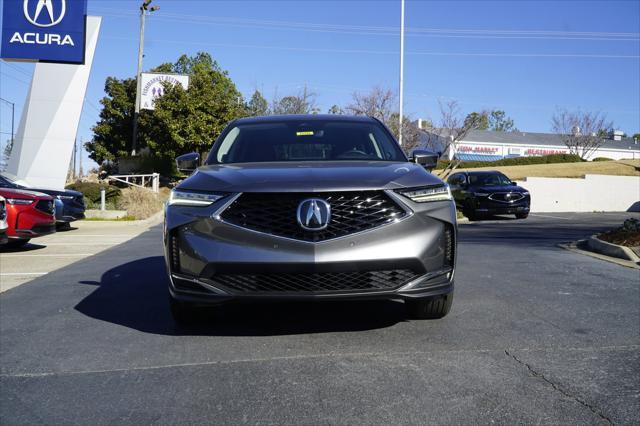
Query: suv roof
305	117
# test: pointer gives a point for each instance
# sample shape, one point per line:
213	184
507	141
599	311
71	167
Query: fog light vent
175	254
449	246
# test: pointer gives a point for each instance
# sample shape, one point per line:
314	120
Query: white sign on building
152	86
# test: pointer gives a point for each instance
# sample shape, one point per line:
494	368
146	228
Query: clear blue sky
526	58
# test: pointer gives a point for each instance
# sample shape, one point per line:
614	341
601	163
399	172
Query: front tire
183	313
430	308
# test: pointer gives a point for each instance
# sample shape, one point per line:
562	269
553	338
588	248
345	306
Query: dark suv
486	193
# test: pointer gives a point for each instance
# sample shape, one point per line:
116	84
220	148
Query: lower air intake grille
275	213
45	206
327	282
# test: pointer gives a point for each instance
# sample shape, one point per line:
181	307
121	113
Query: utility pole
401	70
75	158
143	10
80	171
13	109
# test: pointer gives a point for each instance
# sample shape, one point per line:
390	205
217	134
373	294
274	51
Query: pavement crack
556	387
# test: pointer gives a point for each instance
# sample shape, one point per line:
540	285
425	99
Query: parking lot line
2	256
552	217
18	274
83	244
60	235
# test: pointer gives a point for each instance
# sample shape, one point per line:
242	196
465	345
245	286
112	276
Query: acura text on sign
44	30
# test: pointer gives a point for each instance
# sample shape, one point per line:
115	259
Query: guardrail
139	181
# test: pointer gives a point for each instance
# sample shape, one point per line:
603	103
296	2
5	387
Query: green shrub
91	192
602	159
516	161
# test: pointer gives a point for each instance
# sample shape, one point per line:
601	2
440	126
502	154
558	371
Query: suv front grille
326	282
45	206
275	213
506	197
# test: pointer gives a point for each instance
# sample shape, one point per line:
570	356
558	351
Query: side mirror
187	163
426	159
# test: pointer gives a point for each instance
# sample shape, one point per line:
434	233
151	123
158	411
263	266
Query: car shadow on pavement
135	295
28	247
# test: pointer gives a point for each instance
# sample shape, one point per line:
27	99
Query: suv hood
499	188
310	176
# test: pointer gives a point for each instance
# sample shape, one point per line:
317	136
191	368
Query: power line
13	77
390	31
391	52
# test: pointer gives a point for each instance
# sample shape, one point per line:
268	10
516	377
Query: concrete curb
613	250
580	247
155	219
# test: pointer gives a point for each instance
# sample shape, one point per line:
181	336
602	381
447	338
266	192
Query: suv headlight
198	199
428	193
19	201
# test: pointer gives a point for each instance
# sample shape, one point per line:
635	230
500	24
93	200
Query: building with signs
486	145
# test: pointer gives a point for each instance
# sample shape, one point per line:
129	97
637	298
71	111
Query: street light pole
401	71
143	9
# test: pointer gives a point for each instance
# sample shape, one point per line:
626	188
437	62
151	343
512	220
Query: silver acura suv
310	207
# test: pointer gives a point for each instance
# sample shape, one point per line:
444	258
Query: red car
30	214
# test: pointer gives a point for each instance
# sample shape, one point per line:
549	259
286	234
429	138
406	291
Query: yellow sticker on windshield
308	133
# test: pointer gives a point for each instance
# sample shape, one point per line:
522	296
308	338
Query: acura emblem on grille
314	214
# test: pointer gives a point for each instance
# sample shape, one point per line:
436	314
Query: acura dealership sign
44	30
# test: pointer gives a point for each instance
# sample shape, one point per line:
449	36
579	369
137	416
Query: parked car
69	204
30	214
480	194
310	207
3	221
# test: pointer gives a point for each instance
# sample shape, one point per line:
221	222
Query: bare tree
302	103
378	103
451	129
410	132
582	132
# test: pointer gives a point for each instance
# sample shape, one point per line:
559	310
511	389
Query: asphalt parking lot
49	253
537	334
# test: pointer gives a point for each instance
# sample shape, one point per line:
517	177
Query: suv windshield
489	179
299	140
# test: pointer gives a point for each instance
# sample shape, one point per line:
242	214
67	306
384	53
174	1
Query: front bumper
69	213
486	206
211	261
